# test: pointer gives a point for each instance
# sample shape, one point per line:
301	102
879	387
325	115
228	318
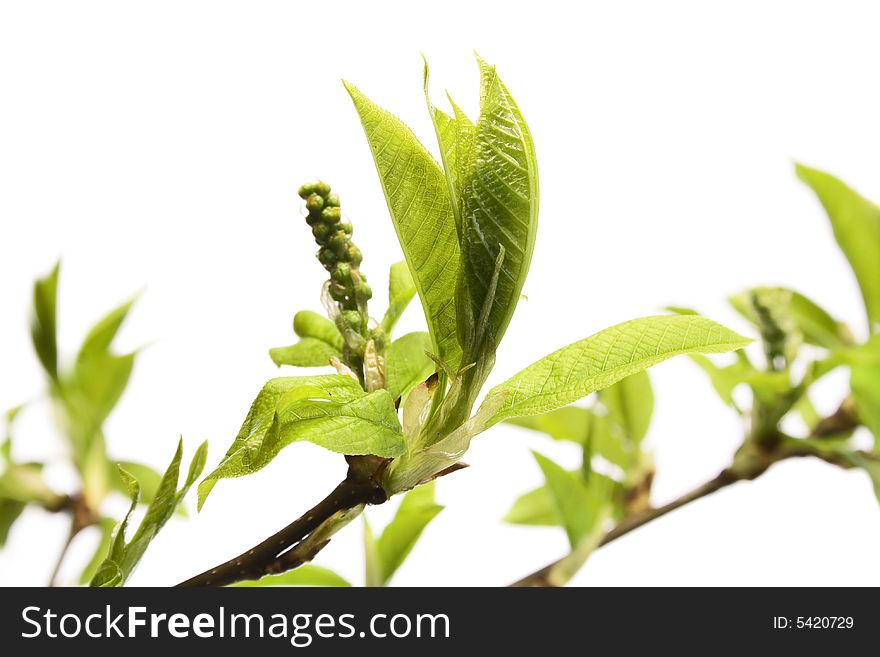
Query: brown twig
81	516
841	422
290	547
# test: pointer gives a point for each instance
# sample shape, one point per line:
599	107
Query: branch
81	516
297	543
842	421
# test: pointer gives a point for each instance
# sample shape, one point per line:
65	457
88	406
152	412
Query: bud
331	215
355	257
314	203
326	257
346	228
364	290
322	188
342	273
333	201
307	190
320	232
353	320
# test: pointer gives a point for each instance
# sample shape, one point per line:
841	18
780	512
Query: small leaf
416	510
306	575
147	477
401	290
43	321
856	224
607	357
581	505
407	363
308	352
630	404
331	411
308	324
23	482
418	201
124	556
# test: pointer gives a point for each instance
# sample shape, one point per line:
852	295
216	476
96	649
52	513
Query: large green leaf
123	556
386	554
331	411
580	504
306	575
418	200
856	224
630	404
43	321
407	364
499	212
401	290
607	357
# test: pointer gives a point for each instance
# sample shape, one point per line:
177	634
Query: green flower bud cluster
338	254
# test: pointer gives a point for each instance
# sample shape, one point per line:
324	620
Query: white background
161	145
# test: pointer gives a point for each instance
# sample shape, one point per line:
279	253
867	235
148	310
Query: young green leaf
306	575
581	505
308	324
386	554
607	357
499	210
147	477
123	557
418	200
401	290
630	404
407	363
331	411
856	224
43	321
308	352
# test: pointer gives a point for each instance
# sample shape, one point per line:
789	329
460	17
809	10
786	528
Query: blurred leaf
386	554
536	507
418	200
331	411
123	557
92	391
630	404
856	224
570	423
10	510
815	324
680	310
23	482
105	527
43	321
725	379
607	357
99	338
306	575
308	324
407	363
865	383
769	387
401	290
580	504
308	352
